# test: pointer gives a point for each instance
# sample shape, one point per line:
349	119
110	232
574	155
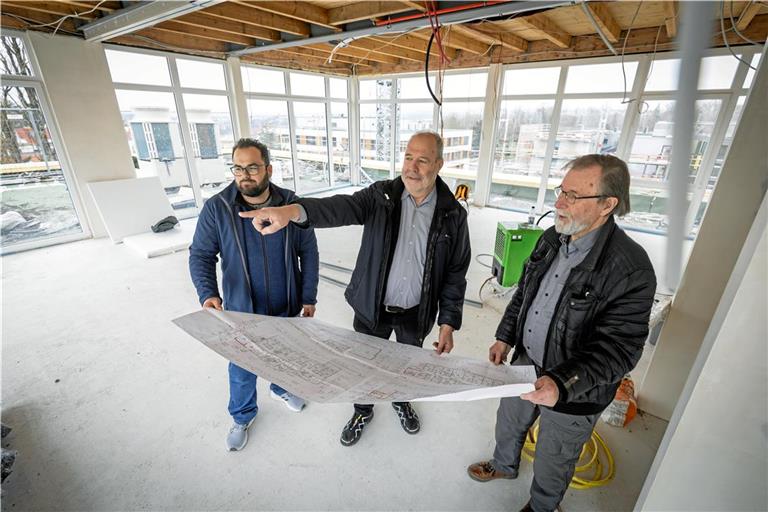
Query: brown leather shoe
485	472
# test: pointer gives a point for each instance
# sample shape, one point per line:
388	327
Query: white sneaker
238	436
292	402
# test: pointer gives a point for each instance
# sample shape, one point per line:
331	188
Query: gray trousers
558	446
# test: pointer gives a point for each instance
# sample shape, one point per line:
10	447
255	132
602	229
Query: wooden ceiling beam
384	48
357	11
454	39
605	20
641	40
251	16
205	33
507	40
39	18
748	15
671	9
276	58
546	29
105	7
200	19
357	53
302	11
416	44
318	55
179	41
57	8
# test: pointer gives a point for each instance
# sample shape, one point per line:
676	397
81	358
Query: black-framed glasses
571	197
238	170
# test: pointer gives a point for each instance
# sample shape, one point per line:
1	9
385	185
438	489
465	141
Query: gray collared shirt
543	306
407	271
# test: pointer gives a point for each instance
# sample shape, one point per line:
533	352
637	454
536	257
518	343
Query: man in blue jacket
273	275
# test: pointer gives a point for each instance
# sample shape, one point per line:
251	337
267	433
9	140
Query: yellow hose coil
588	474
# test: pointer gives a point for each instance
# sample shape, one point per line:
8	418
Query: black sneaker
408	417
354	428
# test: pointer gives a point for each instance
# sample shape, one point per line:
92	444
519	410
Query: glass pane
751	72
531	81
412	118
717	72
311	146
262	80
340	142
586	126
201	75
35	199
600	78
375	140
375	89
719	161
649	158
338	87
307	85
415	87
269	124
154	136
521	143
13	57
210	126
138	68
462	125
465	85
663	75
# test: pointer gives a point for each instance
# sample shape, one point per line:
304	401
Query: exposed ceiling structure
383	37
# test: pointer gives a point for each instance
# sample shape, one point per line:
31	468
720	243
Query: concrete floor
115	408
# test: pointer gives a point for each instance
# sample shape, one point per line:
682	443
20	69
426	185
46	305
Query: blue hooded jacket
220	231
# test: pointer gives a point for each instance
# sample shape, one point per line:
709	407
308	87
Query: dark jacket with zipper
597	333
220	231
377	208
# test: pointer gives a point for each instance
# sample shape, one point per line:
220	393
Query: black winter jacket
377	208
600	323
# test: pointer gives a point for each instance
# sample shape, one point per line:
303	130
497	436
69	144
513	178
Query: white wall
85	110
716	456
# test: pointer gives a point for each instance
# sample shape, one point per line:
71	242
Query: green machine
514	244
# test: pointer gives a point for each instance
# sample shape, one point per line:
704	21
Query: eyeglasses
571	197
251	169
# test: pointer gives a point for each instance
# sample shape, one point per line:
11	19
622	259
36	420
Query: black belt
396	310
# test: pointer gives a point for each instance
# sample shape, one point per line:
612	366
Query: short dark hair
614	179
252	143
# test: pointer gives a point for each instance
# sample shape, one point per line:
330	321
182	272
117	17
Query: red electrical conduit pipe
446	10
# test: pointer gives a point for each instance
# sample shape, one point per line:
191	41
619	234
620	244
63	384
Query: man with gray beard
580	316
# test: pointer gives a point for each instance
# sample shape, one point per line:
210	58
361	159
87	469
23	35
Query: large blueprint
323	363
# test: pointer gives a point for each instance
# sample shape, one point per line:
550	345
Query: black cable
544	215
480	262
480	291
426	70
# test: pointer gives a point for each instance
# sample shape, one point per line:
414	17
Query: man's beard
569	226
253	191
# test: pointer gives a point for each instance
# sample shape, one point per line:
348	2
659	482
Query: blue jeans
242	394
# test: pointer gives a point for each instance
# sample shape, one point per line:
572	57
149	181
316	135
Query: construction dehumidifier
514	244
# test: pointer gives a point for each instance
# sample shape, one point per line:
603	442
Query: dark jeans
406	330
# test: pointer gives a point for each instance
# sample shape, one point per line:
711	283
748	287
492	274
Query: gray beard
571	229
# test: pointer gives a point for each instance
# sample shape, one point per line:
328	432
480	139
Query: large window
177	121
304	120
551	114
38	205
